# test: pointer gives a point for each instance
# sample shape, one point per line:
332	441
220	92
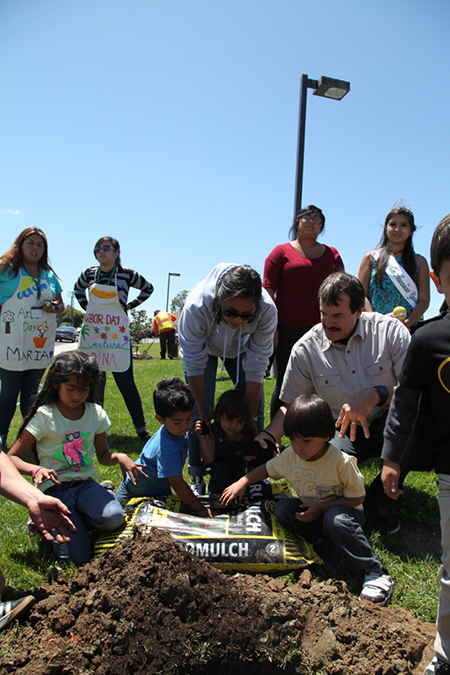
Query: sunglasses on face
104	247
232	314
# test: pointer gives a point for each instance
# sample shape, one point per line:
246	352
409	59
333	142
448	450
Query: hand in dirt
45	474
234	491
389	477
308	512
51	518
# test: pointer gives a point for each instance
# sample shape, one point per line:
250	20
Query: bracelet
35	471
269	434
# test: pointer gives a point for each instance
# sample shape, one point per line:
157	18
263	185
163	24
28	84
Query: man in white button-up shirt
352	359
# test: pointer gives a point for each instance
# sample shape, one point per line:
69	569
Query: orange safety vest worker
163	321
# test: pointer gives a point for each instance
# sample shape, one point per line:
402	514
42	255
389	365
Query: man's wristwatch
382	393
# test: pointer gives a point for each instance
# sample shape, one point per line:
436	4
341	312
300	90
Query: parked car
68	333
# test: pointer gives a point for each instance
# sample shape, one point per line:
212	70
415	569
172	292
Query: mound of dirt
148	607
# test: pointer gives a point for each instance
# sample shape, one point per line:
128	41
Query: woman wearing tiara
394	275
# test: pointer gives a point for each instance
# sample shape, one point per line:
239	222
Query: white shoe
14	609
198	486
377	588
437	667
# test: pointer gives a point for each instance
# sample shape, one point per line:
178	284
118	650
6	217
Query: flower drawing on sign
41	340
115	336
106	328
103	336
8	319
42	329
126	338
122	329
97	330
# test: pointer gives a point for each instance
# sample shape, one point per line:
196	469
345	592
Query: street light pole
171	274
328	88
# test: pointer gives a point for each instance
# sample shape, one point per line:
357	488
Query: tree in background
64	317
140	327
178	301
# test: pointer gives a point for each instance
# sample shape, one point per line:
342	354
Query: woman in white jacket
227	315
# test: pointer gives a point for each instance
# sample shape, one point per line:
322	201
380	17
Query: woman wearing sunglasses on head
227	315
109	284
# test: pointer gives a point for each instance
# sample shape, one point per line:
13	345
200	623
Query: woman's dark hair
234	404
440	245
64	367
114	243
306	210
14	258
340	282
310	417
408	259
239	282
171	396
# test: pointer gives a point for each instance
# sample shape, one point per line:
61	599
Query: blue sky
172	126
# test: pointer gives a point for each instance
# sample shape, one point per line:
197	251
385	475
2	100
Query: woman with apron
30	296
105	330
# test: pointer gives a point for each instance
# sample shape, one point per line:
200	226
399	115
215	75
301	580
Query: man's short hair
440	245
339	282
171	396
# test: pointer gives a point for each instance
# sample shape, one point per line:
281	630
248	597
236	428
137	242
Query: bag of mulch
244	538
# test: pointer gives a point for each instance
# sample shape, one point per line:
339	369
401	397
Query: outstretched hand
357	410
51	518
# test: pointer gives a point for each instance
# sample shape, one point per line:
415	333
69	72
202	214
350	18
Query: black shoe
385	518
144	436
3	445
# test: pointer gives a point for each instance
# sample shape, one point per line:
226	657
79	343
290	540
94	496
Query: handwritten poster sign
105	331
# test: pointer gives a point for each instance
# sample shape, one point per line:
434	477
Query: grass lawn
411	556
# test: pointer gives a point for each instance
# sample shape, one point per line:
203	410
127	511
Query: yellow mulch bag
247	538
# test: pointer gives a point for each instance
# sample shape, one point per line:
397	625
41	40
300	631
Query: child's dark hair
64	367
234	404
171	396
440	245
310	417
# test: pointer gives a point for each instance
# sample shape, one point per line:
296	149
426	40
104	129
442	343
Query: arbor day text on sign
105	330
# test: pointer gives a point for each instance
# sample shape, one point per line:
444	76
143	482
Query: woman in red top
293	273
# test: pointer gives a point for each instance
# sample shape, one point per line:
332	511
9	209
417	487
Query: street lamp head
331	88
174	274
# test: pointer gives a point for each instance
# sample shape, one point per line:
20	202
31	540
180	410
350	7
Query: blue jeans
151	486
196	466
442	642
25	382
224	474
127	387
342	524
89	504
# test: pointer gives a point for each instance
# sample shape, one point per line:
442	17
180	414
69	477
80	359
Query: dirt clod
148	608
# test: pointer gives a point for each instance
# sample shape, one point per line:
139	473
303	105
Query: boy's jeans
196	468
89	504
342	524
442	642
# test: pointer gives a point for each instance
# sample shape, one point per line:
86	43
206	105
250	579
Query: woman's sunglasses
232	314
104	247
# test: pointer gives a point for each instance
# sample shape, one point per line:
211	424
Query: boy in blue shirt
163	457
425	380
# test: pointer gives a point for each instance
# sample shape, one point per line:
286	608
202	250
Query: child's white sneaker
377	588
437	667
198	486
